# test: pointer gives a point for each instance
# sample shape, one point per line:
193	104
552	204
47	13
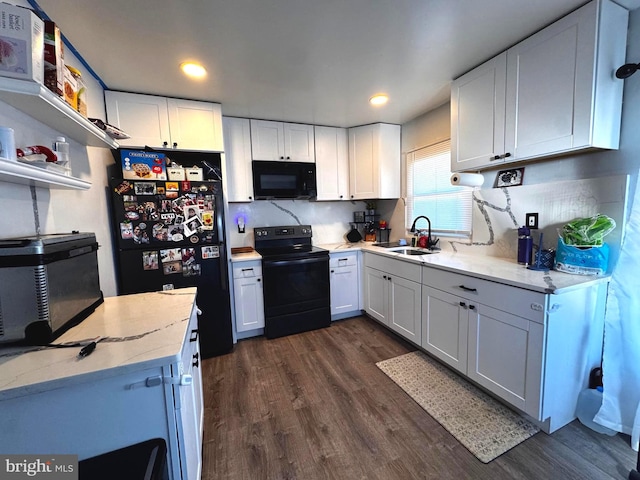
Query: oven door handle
297	261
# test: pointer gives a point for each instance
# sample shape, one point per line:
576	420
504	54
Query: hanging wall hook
627	70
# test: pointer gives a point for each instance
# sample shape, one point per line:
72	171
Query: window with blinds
430	193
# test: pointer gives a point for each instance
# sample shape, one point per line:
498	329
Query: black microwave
283	179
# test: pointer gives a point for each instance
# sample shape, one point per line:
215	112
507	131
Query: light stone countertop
139	331
496	269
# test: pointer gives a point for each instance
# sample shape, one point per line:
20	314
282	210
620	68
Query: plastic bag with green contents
587	232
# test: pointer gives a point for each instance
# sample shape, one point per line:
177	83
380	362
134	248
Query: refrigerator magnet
171	186
170	255
207	220
160	190
192	225
186	186
150	260
188	256
194	239
210	252
191	270
172	267
123	188
126	230
144	188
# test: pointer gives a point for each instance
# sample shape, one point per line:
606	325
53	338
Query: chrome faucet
430	241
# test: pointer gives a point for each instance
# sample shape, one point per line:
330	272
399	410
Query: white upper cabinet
374	161
238	176
277	141
559	91
161	122
477	115
332	163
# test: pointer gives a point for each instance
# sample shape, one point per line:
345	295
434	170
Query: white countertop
496	269
138	331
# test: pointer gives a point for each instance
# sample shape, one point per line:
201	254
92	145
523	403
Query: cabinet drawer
345	259
518	301
399	268
249	269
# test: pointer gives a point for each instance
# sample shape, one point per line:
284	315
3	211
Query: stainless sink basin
413	251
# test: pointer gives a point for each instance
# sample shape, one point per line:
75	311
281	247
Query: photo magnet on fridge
139	165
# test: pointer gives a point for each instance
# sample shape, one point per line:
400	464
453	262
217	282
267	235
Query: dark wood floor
315	406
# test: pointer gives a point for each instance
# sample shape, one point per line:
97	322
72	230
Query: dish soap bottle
61	147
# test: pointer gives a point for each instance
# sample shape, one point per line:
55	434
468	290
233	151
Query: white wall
61	211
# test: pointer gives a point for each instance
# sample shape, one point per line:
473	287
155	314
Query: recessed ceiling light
194	70
379	99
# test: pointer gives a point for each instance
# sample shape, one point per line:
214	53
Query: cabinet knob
472	307
507	155
389	278
281	158
164	144
257	279
463	305
351	196
333	271
340	196
250	198
175	145
196	360
288	158
497	157
384	276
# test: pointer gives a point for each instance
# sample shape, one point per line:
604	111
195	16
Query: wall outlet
532	220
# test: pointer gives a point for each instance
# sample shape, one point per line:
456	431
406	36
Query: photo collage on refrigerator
174	220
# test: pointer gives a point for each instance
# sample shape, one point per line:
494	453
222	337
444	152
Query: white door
478	116
505	356
363	170
404	308
332	163
249	303
238	174
344	289
267	140
445	325
299	142
375	294
195	125
143	117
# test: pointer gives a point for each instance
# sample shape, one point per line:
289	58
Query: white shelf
39	102
20	173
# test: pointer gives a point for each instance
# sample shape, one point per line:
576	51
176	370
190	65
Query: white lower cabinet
247	293
345	284
393	294
533	350
445	326
505	357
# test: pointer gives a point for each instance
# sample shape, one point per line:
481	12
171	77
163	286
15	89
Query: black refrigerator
169	233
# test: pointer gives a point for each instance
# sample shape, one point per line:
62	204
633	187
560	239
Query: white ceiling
309	61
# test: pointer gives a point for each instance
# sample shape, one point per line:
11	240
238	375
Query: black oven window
277	181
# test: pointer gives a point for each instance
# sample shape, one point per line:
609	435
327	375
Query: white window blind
430	193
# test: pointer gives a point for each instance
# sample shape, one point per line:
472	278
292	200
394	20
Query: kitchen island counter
138	331
141	383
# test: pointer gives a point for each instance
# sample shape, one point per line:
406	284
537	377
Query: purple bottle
525	246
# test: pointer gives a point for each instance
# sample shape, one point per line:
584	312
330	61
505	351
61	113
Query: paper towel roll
467	179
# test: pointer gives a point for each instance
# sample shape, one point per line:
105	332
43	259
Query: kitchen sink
413	251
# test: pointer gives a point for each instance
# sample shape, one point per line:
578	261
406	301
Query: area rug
483	425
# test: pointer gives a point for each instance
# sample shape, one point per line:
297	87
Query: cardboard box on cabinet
21	43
